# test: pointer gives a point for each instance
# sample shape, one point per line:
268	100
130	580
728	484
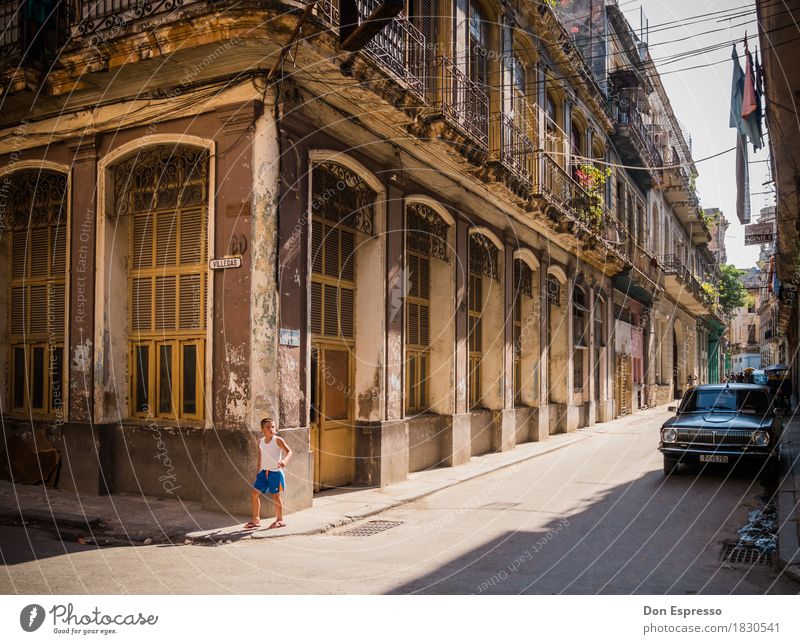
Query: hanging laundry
750	125
749	97
759	102
736	121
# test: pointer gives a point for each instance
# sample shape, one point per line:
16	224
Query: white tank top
270	454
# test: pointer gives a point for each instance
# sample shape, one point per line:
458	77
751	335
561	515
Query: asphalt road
597	516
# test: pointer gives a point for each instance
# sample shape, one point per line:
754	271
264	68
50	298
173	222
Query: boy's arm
287	452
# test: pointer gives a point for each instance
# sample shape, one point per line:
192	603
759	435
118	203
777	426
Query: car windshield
726	400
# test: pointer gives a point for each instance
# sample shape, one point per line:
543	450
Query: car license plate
713	458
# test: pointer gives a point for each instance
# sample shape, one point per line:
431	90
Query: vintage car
730	423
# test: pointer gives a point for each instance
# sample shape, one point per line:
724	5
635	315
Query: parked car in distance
729	423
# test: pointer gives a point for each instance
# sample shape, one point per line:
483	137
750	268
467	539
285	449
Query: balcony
399	47
634	140
566	199
463	103
515	152
98	15
684	287
30	39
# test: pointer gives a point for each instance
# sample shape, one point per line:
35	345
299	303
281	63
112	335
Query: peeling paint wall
263	315
370	325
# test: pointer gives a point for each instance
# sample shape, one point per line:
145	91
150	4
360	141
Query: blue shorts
272	481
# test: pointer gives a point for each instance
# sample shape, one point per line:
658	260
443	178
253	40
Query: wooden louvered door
333	342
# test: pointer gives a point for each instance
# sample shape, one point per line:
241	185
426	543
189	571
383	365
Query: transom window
165	193
36	201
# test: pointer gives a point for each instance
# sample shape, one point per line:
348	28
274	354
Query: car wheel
670	466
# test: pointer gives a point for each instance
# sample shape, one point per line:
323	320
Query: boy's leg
276	498
255	504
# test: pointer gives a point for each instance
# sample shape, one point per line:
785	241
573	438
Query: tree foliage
732	293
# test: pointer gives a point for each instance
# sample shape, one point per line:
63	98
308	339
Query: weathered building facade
407	254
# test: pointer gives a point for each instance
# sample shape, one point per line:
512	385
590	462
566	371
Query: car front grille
715	436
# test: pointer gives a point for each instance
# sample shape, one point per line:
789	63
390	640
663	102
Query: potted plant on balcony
589	201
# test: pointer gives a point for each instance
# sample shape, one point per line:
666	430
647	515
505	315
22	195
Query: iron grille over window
342	196
426	231
553	290
483	257
523	278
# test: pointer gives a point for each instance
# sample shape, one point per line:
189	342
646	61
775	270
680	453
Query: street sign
225	262
756	234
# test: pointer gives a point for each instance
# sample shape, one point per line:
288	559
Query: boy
273	455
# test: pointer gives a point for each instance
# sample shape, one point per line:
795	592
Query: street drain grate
739	554
369	528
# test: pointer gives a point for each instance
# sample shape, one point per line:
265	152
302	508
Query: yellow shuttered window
426	243
342	204
37	203
163	193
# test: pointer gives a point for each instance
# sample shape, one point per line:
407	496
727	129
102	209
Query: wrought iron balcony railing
460	100
399	47
31	31
673	265
515	149
99	15
626	114
557	186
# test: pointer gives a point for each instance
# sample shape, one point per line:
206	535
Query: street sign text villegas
225	262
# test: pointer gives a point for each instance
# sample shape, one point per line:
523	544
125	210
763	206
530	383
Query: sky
701	99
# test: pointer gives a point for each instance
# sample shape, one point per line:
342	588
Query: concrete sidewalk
788	496
132	520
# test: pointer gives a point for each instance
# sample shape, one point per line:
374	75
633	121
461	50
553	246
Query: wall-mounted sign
756	234
225	262
290	337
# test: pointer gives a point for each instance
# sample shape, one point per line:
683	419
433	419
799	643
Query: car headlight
669	435
761	438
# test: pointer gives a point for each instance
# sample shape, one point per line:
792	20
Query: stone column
87	448
457	437
80	350
505	420
382	447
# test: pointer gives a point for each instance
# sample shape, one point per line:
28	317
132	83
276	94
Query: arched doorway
342	220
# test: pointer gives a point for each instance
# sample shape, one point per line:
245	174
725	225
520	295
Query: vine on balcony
591	204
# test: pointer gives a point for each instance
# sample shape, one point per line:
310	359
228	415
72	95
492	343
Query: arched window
523	288
579	337
599	344
483	262
164	192
36	201
426	242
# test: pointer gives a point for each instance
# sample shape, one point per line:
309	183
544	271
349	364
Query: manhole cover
739	554
369	528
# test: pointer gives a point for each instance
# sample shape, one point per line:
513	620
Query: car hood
719	420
